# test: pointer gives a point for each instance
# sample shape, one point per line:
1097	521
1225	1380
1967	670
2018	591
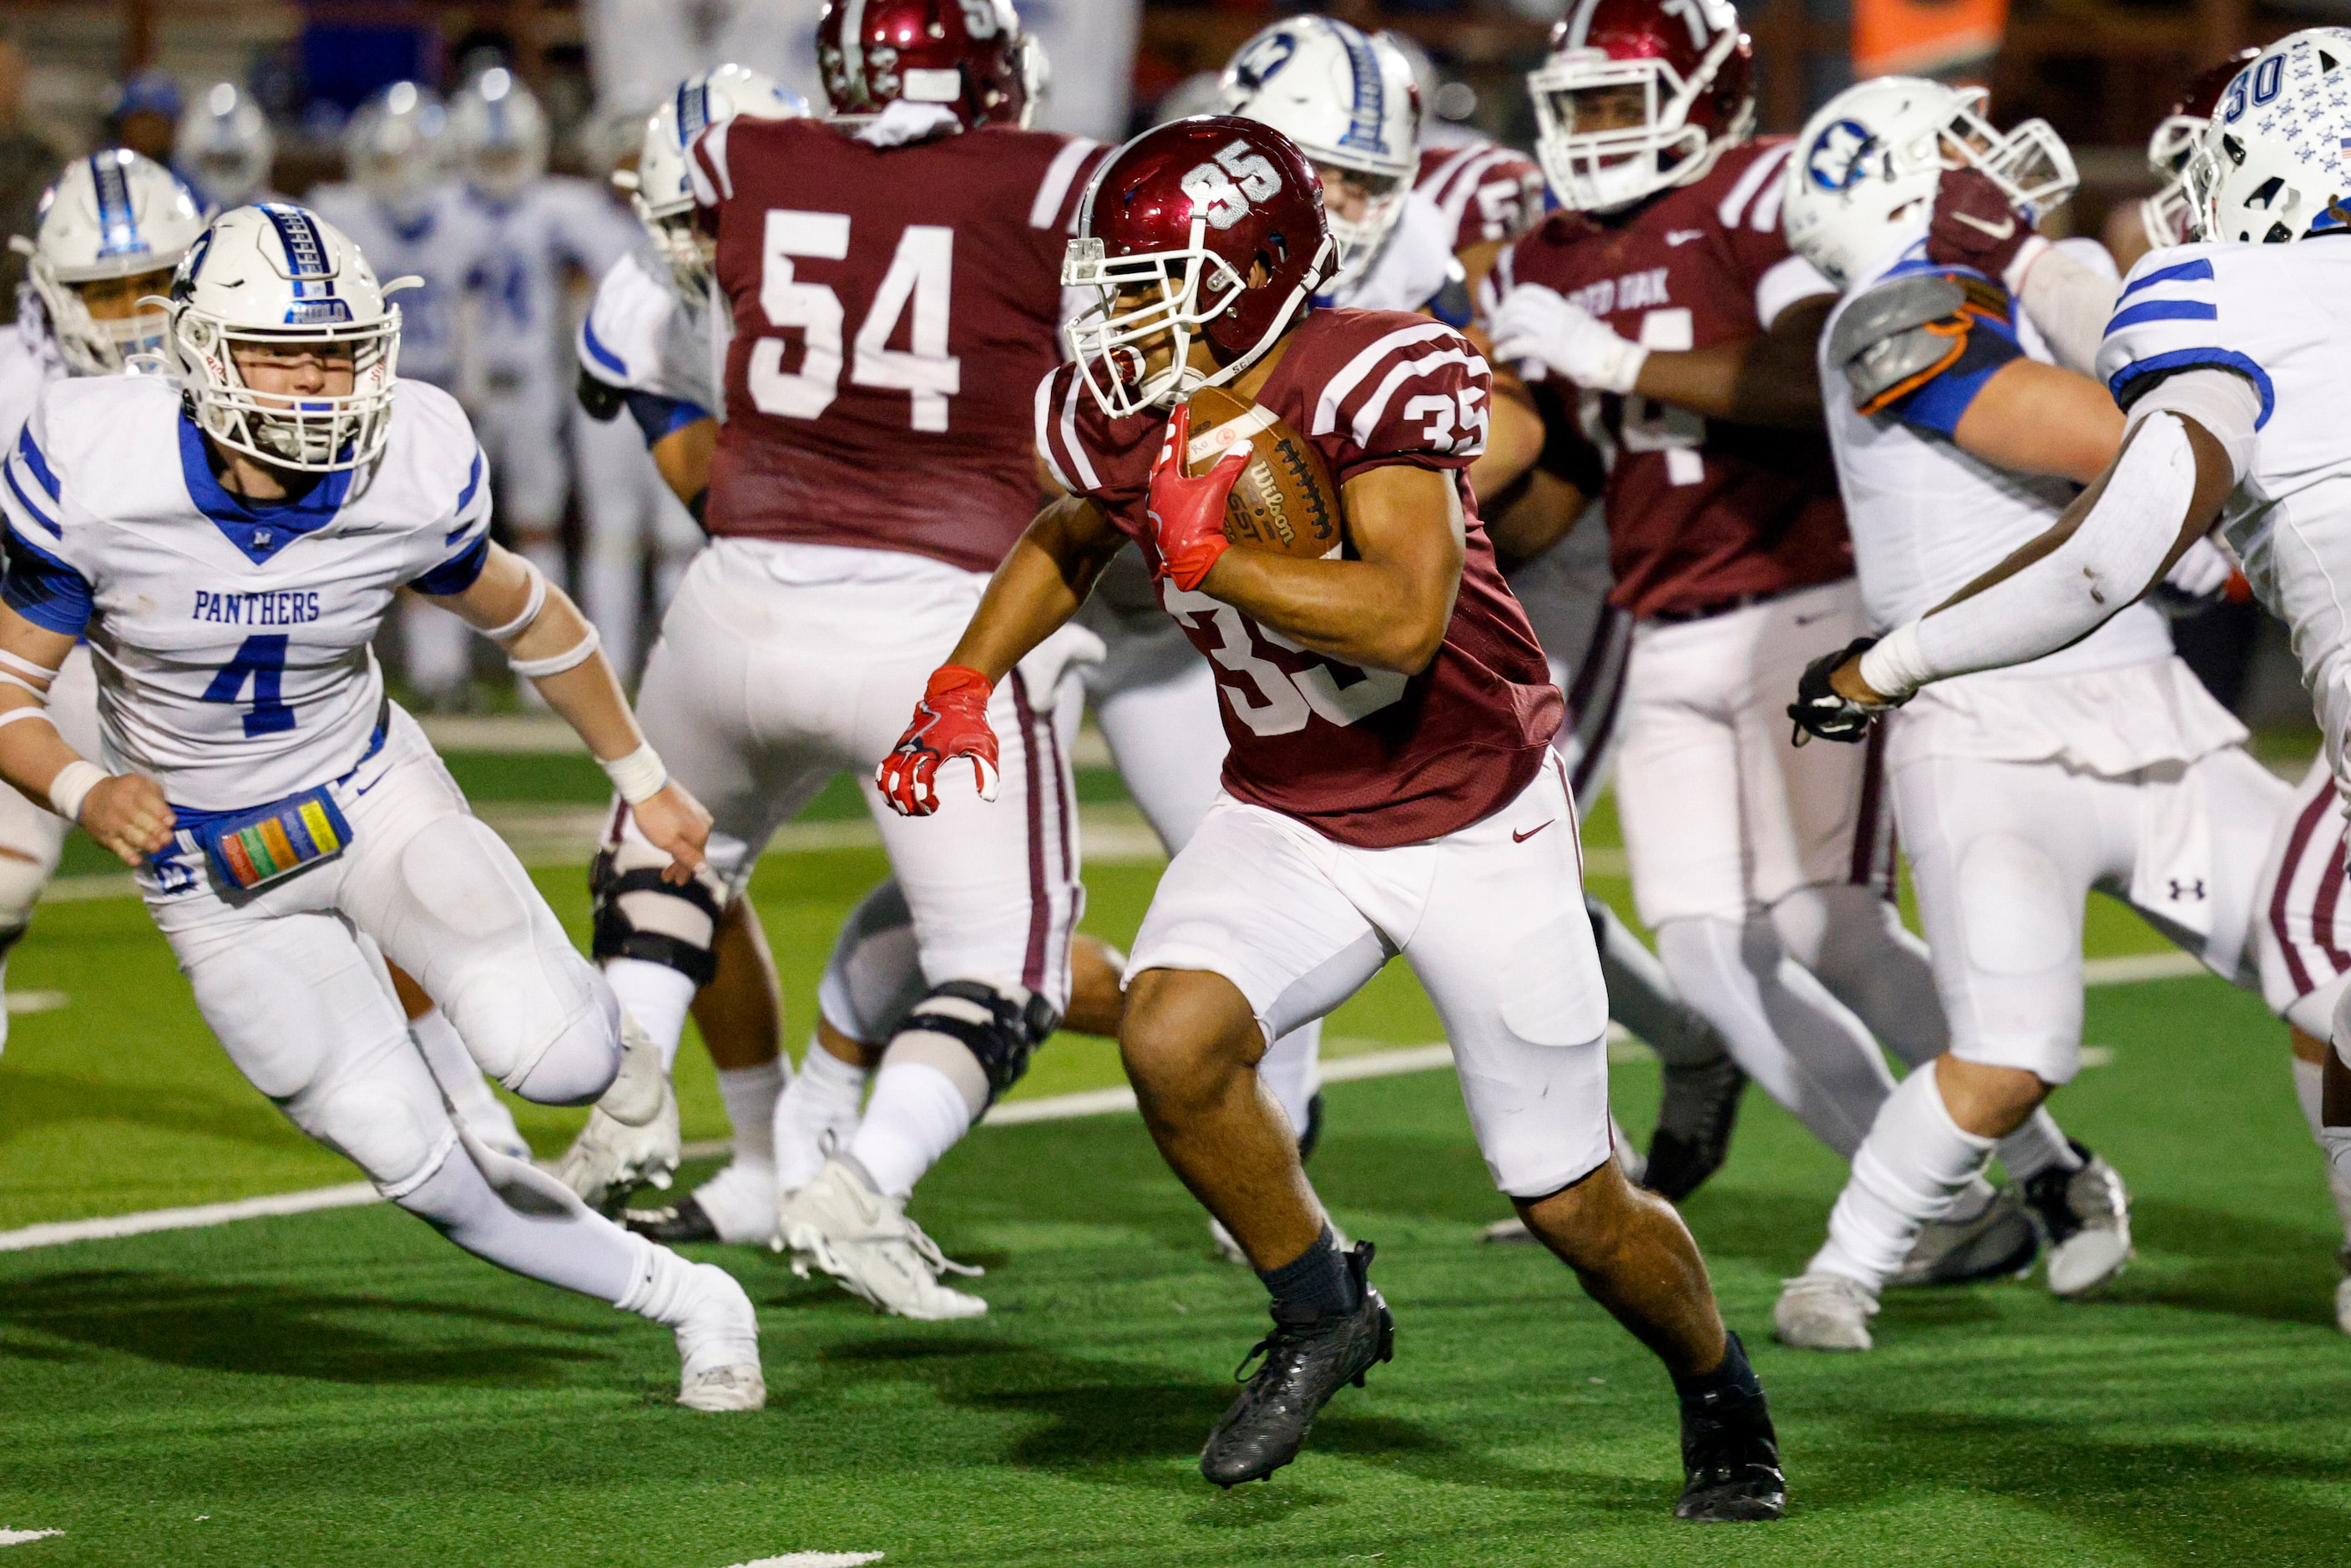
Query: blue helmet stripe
118	225
310	267
692	109
1370	108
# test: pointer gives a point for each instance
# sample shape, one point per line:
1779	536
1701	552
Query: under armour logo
2182	890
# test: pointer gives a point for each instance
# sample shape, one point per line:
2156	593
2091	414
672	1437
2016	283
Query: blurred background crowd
474	142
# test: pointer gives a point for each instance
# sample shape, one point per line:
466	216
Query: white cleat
865	1241
2085	1215
718	1343
1824	1311
632	1136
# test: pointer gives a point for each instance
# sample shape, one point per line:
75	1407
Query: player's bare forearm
1038	585
1386	611
587	694
1514	439
2032	418
1531	517
1767	380
683	458
125	813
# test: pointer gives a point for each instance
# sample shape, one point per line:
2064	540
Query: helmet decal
118	223
1834	161
1260	60
692	108
1371	92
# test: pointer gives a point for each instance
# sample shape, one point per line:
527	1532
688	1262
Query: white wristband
72	786
1893	667
639	776
579	653
1622	369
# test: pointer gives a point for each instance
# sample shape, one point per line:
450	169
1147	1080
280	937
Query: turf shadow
2238	1265
33	1100
283	1332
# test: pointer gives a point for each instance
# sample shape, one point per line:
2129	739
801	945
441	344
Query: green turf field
343	1387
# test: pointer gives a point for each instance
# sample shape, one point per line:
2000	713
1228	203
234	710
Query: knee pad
639	916
579	1060
21	881
997	1027
398	1144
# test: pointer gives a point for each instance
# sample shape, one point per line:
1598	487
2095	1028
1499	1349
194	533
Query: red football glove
951	721
1188	515
1975	226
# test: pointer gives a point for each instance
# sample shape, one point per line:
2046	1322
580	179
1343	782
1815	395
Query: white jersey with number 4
2280	315
232	641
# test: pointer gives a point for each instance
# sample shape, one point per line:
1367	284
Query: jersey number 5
261	659
921	274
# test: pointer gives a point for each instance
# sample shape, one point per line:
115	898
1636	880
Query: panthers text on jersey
1369	758
1700	512
1928	518
644	342
2277	315
894	308
232	641
1487	192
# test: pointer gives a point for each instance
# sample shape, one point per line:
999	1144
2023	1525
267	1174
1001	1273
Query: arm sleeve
2069	301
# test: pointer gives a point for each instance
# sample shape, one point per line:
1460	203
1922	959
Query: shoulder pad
1883	340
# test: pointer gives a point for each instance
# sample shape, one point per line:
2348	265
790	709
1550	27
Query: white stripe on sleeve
1367	419
1069	442
1045	430
1055	187
1749	183
1326	409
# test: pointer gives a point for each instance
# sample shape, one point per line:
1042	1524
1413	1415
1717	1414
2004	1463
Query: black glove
1819	710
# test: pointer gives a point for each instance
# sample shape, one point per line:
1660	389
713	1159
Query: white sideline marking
1053	1108
18	1537
814	1560
36	1002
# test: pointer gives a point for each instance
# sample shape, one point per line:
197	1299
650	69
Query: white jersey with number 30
232	641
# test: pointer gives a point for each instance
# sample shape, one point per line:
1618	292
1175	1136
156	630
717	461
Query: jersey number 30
921	274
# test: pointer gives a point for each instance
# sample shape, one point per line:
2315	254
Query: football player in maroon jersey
1666	306
1390	786
893	278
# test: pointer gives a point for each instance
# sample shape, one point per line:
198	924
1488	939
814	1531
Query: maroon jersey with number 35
1369	758
1699	511
893	308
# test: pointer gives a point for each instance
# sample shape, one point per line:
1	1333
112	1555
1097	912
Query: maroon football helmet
2164	213
1695	70
963	54
1185	212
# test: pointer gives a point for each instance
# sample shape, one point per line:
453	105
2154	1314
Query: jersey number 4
921	276
261	659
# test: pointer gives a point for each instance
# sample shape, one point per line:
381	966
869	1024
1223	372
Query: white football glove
1545	333
2200	572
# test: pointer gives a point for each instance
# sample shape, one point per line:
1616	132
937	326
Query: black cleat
1693	1124
669	1226
1305	1362
1731	1460
1313	1133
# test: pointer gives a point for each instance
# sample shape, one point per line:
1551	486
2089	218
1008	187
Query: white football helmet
663	193
111	216
2165	216
1861	182
2271	165
273	277
1348	100
1036	79
223	147
393	146
499	132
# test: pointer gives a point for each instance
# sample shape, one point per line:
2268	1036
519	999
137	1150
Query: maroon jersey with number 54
893	305
1369	758
1700	511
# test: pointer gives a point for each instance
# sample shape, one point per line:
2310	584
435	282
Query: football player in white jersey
292	829
223	149
515	231
2105	765
112	227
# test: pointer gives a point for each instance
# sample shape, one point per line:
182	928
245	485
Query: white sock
815	1116
657	997
749	1094
519	1218
460	1077
917	1114
1916	1162
659	1287
1781	1025
2309	1092
1854	942
1291	1071
2038	1145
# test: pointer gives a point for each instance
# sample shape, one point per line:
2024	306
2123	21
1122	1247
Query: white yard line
814	1560
1011	1114
18	1538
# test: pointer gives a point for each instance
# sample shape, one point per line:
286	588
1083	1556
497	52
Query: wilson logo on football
1221	191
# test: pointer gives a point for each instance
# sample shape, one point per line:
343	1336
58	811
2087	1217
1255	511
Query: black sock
1734	1376
1316	1283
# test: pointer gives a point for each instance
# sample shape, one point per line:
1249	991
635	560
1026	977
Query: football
1284	500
